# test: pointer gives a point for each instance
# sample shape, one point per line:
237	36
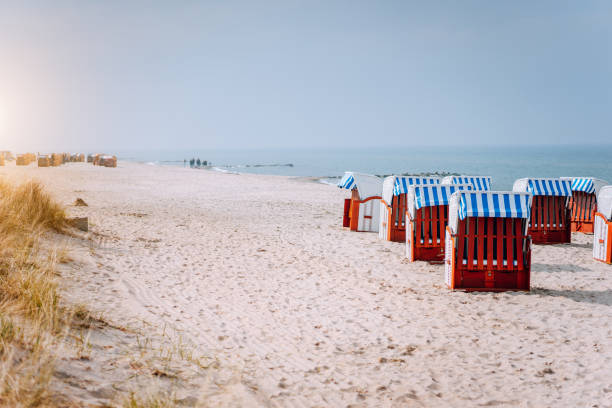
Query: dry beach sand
256	273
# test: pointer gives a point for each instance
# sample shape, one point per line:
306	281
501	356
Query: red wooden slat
518	232
434	225
460	244
426	221
509	235
541	213
471	240
402	210
500	243
535	213
490	238
551	208
480	242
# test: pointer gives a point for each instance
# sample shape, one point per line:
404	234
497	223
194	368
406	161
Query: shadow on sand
602	297
588	245
554	268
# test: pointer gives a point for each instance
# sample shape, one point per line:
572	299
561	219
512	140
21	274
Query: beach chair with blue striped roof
426	220
487	246
361	211
479	183
550	221
602	228
583	202
393	205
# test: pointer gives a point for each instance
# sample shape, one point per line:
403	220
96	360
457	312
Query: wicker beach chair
394	204
487	246
550	221
426	220
361	211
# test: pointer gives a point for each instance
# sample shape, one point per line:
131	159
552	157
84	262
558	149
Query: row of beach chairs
103	160
57	159
483	237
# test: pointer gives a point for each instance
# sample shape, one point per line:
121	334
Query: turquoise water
503	164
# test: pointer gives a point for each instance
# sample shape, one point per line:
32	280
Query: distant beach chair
550	221
57	159
22	160
44	160
361	211
426	220
479	183
602	228
107	161
583	202
393	205
487	246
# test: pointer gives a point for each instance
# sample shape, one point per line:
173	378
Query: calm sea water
503	164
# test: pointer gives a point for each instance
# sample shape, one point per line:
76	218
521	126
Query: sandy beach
257	273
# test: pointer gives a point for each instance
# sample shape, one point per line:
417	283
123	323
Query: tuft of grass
30	316
155	401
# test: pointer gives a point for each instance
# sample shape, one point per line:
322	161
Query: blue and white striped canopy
402	183
583	184
480	183
347	182
494	204
429	196
549	187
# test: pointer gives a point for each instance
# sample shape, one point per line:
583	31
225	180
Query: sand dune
258	272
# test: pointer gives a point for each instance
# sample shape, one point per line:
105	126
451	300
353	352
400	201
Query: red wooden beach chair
550	221
393	205
583	202
361	210
487	246
426	220
602	228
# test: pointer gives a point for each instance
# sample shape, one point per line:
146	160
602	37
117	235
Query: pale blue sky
221	74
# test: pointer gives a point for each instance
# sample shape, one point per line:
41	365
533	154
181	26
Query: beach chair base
585	227
393	217
583	206
602	239
551	237
360	215
489	261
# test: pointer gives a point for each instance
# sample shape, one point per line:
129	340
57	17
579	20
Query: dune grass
30	316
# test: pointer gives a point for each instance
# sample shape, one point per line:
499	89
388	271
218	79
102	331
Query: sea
503	164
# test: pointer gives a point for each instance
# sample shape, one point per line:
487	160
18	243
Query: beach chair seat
361	211
550	221
394	204
487	246
426	220
602	226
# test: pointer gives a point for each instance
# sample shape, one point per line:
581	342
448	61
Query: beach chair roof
482	183
431	195
544	186
494	204
589	185
604	202
396	185
367	185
